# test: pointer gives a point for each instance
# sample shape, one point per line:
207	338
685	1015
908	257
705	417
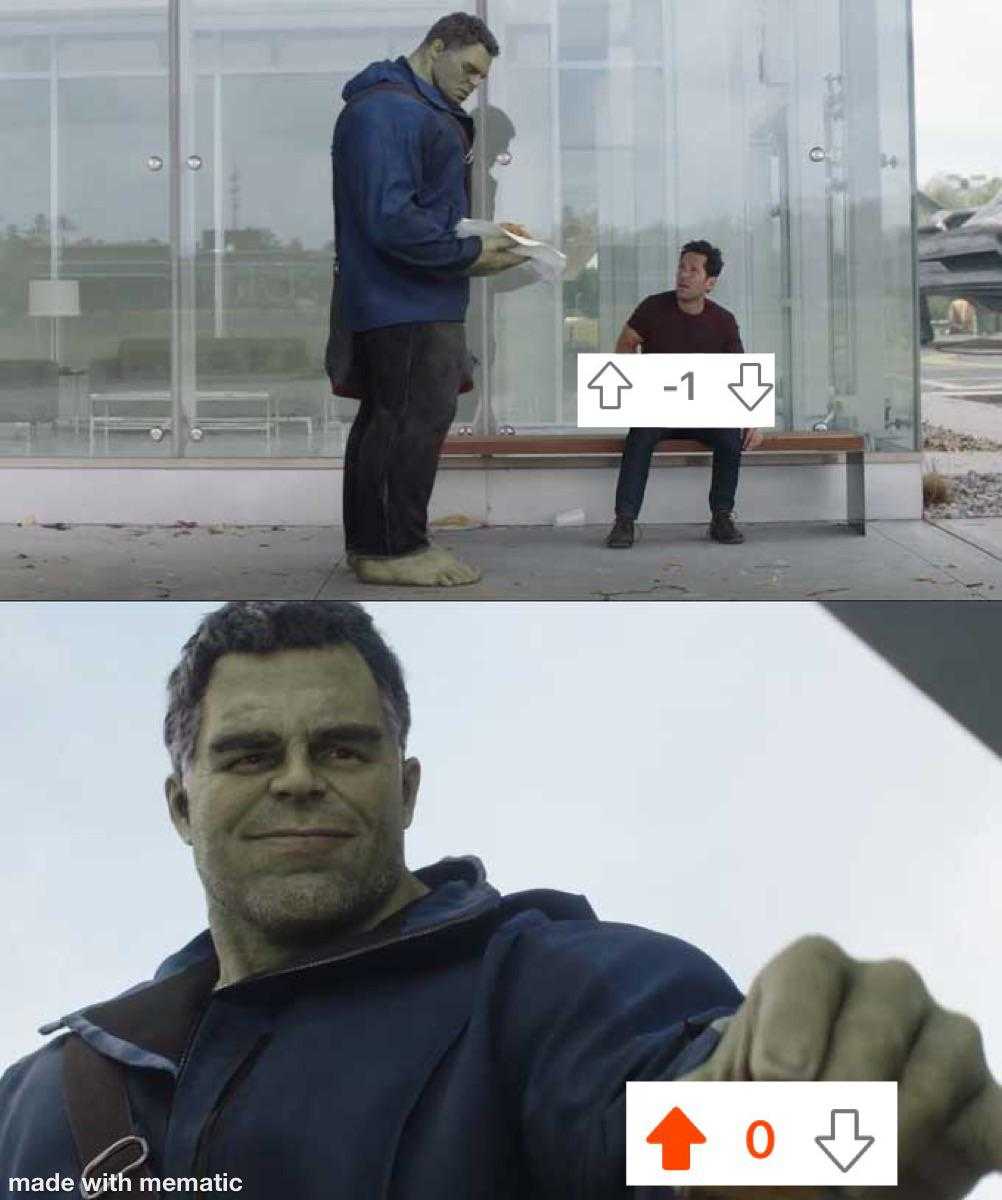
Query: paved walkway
897	560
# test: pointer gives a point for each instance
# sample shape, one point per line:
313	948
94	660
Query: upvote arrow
610	385
844	1145
745	390
676	1135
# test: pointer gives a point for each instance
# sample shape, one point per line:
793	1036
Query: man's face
296	799
459	72
691	280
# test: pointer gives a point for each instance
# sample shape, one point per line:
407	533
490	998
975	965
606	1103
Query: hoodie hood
399	71
458	888
459	896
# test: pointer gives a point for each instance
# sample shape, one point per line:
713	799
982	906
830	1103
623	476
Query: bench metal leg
855	488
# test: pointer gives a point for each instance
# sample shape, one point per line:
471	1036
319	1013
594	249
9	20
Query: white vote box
681	391
762	1134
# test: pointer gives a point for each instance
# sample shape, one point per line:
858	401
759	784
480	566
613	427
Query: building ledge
550	461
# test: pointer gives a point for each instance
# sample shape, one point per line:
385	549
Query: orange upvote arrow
676	1136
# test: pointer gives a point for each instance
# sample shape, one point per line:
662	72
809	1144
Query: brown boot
723	529
622	534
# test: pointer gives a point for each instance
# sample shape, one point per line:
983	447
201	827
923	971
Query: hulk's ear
177	807
410	782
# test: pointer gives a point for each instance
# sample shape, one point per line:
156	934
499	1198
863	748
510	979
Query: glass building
167	232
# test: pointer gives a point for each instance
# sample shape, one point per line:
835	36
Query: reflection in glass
85	255
616	129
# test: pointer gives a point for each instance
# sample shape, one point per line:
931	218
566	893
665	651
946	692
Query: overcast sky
958	86
735	774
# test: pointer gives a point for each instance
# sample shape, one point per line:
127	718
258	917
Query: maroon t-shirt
666	329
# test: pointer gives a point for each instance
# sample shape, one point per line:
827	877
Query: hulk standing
401	152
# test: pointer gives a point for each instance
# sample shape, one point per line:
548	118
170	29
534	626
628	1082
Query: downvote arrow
676	1135
745	390
611	384
845	1147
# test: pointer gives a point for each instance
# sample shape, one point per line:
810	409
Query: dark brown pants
411	375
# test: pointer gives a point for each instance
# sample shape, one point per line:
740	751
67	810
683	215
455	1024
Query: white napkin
546	260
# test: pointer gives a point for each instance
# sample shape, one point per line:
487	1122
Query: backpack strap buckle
95	1183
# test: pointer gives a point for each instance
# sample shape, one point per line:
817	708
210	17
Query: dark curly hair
462	29
714	259
263	627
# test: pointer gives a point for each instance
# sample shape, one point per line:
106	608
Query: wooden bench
850	445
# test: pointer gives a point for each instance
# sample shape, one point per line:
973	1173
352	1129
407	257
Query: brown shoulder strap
97	1104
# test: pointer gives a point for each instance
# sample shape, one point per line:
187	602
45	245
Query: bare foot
433	567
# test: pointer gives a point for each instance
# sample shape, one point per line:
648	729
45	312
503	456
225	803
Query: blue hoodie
399	189
472	1047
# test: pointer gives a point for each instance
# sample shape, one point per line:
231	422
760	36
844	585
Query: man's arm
628	340
383	194
814	1013
582	1007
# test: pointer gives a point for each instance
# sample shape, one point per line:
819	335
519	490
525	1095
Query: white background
735	774
958	86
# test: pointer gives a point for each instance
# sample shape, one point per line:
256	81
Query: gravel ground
971	495
935	437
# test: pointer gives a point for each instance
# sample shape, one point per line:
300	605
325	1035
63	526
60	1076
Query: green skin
307	748
315	752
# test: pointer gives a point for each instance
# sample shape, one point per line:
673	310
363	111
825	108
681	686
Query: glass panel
640	126
878	49
516	319
853	304
85	275
618	138
631	126
267	91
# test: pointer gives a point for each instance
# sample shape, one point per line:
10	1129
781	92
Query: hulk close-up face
296	797
458	72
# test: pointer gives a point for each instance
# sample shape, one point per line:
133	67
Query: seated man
683	322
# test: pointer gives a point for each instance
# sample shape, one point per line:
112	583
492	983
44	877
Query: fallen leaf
455	521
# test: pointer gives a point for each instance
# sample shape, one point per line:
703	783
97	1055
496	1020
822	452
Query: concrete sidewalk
898	560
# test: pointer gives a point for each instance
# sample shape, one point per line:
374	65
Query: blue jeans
636	464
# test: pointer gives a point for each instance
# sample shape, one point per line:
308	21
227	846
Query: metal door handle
155	162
